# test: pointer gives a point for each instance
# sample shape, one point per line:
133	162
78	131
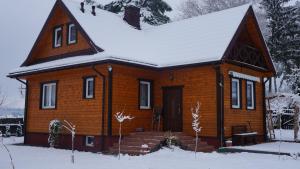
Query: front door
172	104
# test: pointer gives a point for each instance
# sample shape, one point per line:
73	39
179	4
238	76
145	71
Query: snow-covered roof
200	39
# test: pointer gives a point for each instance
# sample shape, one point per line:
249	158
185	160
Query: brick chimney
132	16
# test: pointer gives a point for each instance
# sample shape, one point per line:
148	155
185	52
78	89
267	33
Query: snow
285	147
244	76
286	135
195	40
27	157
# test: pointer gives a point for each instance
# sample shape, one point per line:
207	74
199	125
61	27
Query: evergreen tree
152	11
283	41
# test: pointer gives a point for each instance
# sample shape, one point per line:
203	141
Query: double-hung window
89	83
250	91
49	95
235	93
57	37
72	33
145	95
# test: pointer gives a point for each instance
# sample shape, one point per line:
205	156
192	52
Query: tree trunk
120	136
275	84
196	146
296	123
270	85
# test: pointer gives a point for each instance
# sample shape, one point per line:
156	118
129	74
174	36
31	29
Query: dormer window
72	33
57	37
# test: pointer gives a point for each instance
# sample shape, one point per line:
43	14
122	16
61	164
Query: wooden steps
187	142
140	143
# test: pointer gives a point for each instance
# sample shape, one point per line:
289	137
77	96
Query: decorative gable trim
234	40
95	48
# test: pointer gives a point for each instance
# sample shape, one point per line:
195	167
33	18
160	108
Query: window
250	95
57	37
145	94
235	93
48	95
89	87
89	141
72	34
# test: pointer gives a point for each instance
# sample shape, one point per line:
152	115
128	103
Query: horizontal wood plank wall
199	85
234	117
44	47
84	113
125	97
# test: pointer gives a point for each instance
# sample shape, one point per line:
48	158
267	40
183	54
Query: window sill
48	108
145	108
235	107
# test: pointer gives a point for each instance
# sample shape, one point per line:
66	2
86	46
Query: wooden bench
240	136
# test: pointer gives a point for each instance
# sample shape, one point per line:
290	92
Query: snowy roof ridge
196	40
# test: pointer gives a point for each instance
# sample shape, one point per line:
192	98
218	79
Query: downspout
103	105
109	109
25	109
220	105
264	108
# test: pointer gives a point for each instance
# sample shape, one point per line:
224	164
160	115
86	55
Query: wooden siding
199	85
44	47
234	117
84	113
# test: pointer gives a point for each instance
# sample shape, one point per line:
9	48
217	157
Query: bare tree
191	8
196	122
120	117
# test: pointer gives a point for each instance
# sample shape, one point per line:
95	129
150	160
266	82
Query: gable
248	47
43	49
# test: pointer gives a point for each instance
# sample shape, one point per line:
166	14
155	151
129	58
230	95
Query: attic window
72	33
57	37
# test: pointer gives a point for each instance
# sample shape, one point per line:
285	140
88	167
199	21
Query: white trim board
244	76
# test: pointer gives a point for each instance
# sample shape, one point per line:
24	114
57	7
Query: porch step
188	142
140	143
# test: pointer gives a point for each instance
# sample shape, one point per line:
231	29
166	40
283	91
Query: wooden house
87	64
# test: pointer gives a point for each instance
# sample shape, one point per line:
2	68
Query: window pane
53	95
90	88
234	93
46	96
72	33
58	37
249	95
144	95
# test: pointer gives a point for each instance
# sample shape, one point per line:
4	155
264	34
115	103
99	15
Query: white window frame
69	34
238	105
50	86
149	95
87	80
252	94
56	30
89	144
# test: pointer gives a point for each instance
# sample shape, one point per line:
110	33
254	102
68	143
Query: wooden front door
172	105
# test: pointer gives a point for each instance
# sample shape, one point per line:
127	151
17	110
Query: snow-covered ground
26	157
283	147
285	135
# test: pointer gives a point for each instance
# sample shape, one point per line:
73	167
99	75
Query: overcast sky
21	22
